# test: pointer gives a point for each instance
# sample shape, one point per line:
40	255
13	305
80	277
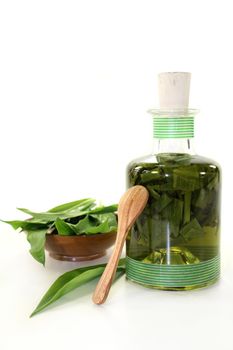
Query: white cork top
174	90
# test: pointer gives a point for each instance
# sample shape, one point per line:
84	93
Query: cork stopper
174	90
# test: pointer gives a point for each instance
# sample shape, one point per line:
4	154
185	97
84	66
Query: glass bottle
174	244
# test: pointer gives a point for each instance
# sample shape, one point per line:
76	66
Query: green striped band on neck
173	127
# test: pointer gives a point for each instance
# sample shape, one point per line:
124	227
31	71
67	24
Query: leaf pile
81	217
183	206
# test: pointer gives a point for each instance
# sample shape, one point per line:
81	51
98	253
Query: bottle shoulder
173	167
197	159
172	160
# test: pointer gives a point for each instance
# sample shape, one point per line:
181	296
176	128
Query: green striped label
173	276
173	127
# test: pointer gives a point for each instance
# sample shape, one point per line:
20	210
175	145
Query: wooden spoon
130	207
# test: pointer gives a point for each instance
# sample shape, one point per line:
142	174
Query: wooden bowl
79	248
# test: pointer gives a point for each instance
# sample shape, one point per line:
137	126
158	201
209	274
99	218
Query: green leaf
80	209
205	198
37	242
162	203
25	225
174	215
77	210
110	218
186	178
93	224
172	159
73	211
64	228
153	175
70	205
42	217
192	230
103	210
154	194
90	224
72	280
187	206
213	184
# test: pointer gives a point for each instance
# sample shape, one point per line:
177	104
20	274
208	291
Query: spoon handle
105	282
130	207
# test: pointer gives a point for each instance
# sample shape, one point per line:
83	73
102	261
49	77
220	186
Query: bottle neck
174	145
173	131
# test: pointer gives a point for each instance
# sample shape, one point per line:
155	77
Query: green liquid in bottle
174	244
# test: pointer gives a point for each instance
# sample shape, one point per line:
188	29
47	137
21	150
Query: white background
76	80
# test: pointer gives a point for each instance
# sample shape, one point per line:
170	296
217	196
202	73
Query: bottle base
184	288
173	277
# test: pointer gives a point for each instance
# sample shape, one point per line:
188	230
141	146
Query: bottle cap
174	90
